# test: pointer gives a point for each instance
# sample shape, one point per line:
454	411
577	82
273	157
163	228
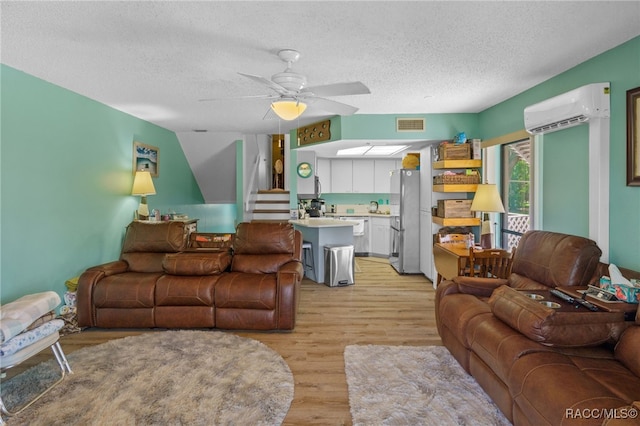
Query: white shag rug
414	385
160	378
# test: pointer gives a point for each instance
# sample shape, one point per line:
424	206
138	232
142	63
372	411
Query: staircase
272	206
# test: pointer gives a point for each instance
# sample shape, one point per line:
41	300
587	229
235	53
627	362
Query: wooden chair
489	263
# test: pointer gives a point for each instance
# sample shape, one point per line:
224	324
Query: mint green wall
66	180
381	127
437	126
563	151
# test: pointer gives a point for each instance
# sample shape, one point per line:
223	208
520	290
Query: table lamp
487	200
143	186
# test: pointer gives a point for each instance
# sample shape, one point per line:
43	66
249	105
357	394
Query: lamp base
143	209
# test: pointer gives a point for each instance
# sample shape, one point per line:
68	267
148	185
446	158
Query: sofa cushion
144	262
172	290
550	389
127	290
259	264
246	291
566	326
626	350
156	237
264	238
555	259
196	263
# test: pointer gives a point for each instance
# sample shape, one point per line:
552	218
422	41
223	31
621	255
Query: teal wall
66	181
565	167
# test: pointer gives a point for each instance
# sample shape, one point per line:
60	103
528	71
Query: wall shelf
457	164
456	221
456	187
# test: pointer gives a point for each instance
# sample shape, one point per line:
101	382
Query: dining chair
489	263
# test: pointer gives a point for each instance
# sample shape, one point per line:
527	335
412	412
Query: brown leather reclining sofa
539	365
158	282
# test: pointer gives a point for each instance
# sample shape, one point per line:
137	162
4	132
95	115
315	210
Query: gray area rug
414	385
162	378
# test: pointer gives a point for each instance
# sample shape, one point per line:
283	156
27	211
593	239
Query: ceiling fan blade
339	89
240	97
273	86
332	106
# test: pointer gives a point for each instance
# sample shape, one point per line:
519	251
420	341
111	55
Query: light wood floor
382	308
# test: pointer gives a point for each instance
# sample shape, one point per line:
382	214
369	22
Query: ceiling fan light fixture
288	110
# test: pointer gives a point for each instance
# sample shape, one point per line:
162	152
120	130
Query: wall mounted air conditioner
569	109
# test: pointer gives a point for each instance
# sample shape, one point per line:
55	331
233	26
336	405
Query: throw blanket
27	338
16	316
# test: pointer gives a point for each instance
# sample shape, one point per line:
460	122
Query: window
516	191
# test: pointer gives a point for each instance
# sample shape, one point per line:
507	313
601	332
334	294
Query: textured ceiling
155	60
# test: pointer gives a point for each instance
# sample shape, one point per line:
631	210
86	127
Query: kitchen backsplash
357	208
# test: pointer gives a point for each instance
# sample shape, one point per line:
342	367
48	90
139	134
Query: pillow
563	327
196	263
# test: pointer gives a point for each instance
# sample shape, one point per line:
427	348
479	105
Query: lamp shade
142	184
487	199
288	110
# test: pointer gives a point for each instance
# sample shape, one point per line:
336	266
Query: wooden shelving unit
463	188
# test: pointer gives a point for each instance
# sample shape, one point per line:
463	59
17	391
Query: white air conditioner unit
569	109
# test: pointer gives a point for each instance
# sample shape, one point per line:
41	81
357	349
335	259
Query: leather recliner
158	283
537	367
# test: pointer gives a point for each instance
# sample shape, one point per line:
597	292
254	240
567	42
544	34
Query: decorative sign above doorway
313	133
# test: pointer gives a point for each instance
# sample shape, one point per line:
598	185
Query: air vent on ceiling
410	125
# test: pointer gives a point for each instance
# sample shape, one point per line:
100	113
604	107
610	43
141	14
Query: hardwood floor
382	308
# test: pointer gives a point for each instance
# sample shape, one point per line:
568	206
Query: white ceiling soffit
155	60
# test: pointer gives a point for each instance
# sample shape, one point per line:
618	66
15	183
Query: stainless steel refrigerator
404	203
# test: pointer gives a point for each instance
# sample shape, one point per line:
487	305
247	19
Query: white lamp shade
487	199
288	110
142	184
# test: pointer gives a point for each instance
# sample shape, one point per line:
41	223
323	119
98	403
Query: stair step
272	191
271	211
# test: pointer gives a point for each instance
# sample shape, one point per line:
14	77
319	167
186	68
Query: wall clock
304	170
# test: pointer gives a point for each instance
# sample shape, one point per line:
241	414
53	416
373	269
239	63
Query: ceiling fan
291	94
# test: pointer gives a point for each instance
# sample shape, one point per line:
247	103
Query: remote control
572	300
562	296
587	305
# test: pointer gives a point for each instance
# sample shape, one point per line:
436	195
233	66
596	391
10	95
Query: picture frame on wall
633	137
146	157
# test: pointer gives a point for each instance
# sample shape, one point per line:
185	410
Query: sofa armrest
289	277
111	268
86	283
478	286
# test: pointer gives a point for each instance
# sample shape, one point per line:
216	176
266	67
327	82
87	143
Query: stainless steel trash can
338	265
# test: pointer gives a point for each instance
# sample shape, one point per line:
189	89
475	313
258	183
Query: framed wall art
146	157
633	137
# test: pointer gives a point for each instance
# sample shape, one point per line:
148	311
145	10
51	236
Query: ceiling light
288	110
358	150
385	149
373	150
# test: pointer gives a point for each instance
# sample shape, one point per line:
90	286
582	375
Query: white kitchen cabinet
362	177
380	235
323	171
341	176
382	175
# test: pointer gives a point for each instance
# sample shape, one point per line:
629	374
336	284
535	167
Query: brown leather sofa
159	282
542	366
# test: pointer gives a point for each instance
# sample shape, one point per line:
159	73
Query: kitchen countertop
319	222
357	215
